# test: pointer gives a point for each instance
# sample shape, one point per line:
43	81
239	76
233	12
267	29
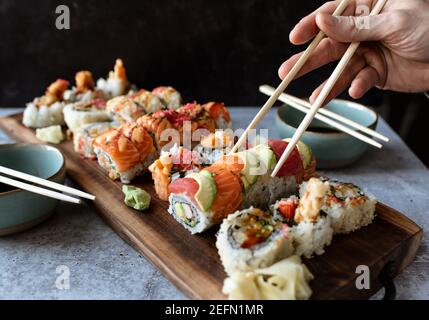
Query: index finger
306	29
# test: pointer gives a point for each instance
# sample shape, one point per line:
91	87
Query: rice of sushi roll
84	137
251	239
146	99
47	110
169	96
125	153
348	207
116	84
80	113
124	110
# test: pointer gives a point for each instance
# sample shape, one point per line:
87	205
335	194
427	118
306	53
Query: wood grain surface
191	262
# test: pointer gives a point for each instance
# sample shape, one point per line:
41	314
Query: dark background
209	50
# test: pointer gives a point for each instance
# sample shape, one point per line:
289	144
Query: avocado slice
304	151
246	183
207	191
251	165
266	155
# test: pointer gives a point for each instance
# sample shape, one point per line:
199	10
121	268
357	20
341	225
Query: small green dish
332	148
20	209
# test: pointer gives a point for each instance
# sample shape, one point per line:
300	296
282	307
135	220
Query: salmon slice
228	192
187	186
120	149
230	162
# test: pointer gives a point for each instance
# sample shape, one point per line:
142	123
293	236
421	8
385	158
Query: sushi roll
80	113
348	206
220	114
84	137
47	110
171	165
84	89
169	96
125	153
215	145
251	239
201	200
146	99
311	227
116	84
124	110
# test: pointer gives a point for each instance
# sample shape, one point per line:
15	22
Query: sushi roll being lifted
47	110
251	239
80	113
348	206
86	134
169	96
125	153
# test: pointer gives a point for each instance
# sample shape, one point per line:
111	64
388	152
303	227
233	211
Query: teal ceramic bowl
19	209
332	148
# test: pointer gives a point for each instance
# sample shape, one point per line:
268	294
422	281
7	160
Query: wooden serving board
192	263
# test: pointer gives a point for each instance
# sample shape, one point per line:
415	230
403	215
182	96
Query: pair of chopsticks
324	114
323	94
42	182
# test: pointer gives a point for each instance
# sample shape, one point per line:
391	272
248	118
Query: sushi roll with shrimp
348	206
169	96
116	84
147	100
201	200
251	239
125	153
47	110
124	110
84	89
84	137
311	227
80	113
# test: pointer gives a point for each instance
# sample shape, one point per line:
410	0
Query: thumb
354	29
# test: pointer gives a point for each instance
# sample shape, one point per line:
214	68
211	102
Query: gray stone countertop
102	266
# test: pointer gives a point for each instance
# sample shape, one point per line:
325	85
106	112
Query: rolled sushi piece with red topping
176	163
251	239
84	137
201	200
348	206
125	153
170	97
80	113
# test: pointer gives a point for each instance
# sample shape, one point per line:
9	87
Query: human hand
394	54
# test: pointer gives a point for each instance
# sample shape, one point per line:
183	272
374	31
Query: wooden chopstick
38	190
303	104
45	183
330	122
290	76
323	94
